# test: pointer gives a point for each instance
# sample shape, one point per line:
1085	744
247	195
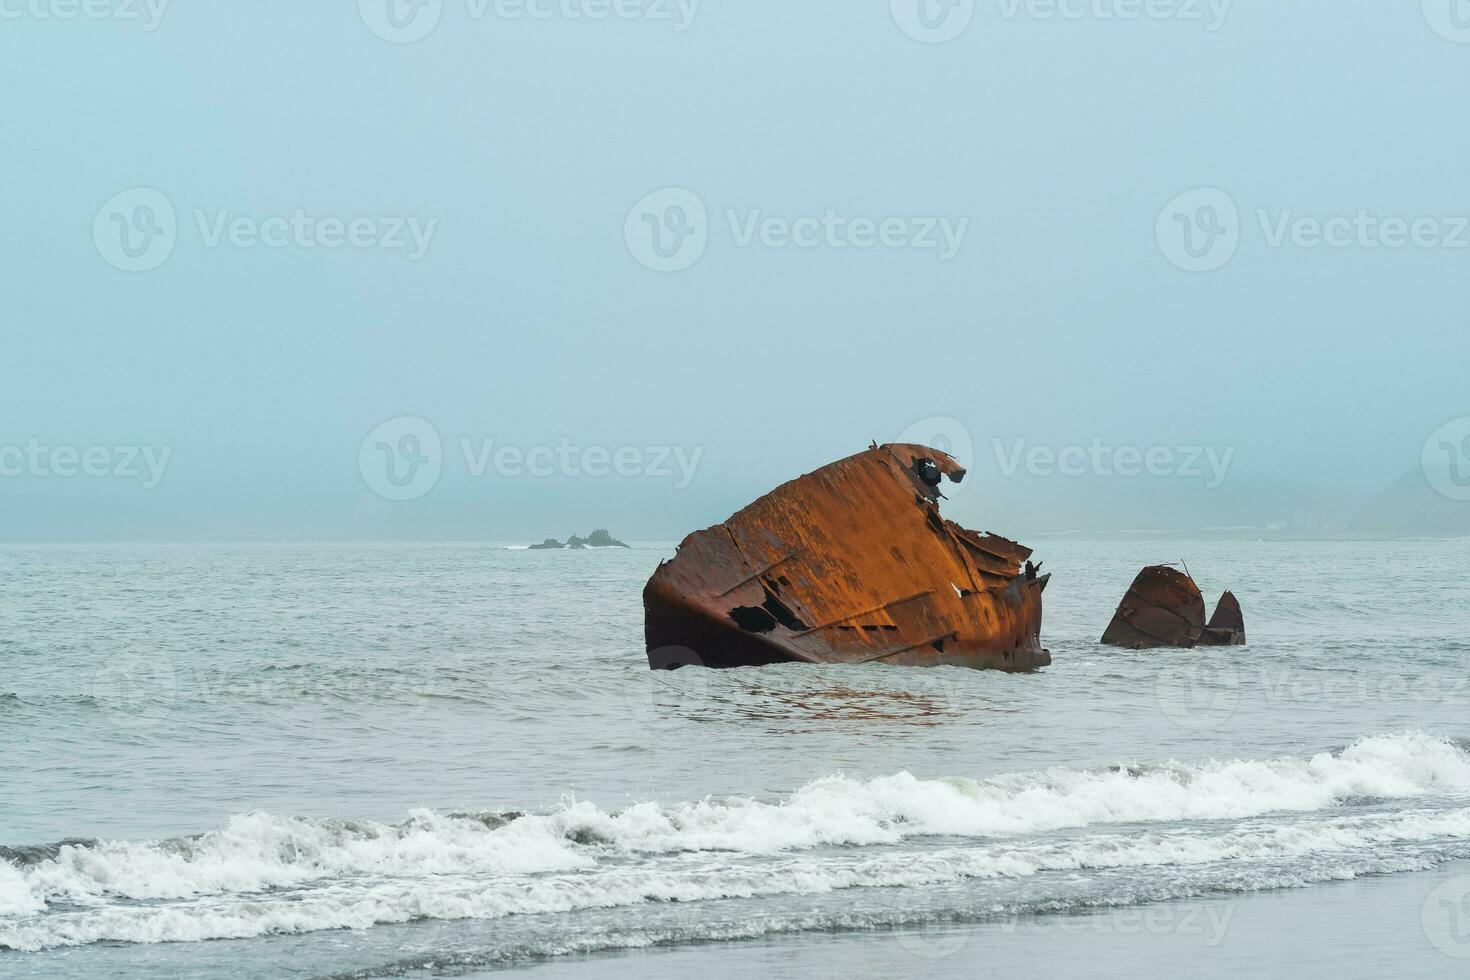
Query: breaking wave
264	874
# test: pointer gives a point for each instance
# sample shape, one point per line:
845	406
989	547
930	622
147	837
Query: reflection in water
878	700
821	699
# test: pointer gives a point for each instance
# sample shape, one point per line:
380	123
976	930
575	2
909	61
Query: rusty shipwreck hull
1164	608
851	563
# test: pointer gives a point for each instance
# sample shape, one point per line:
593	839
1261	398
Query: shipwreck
849	564
1164	608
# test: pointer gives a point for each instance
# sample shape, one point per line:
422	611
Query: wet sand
1381	926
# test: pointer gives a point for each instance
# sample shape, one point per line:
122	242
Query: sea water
386	760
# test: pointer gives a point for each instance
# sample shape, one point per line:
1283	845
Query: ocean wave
378	901
17	896
334	874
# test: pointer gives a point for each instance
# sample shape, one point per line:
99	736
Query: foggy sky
1059	322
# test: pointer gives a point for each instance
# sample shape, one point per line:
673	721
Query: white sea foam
17	897
259	851
228	884
838	810
375	901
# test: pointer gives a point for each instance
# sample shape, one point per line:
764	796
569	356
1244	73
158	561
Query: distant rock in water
601	539
597	539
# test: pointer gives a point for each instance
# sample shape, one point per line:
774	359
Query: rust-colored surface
1163	608
852	563
1227	627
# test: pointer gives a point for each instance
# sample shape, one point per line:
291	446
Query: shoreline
1374	925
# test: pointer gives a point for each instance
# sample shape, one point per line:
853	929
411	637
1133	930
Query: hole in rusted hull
766	616
753	619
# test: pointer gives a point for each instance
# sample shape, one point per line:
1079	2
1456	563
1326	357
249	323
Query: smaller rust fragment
1163	608
1227	627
